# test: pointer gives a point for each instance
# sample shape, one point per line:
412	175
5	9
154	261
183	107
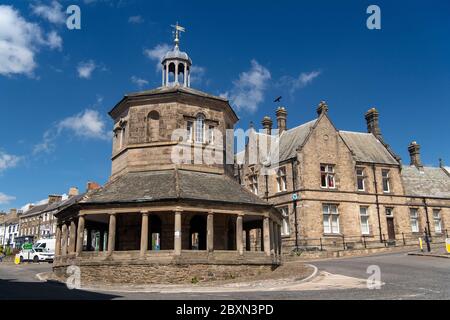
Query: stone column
185	75
266	233
144	234
58	241
64	240
210	232
176	73
163	75
275	237
272	237
239	246
80	235
280	241
111	233
72	236
167	73
177	233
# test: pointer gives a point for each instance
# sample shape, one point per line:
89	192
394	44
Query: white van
47	245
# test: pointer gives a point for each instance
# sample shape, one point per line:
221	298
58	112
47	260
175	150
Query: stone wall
162	274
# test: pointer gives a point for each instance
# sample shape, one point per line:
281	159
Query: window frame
285	224
360	177
334	226
386	179
281	179
437	219
190	130
327	174
414	218
200	120
366	216
253	183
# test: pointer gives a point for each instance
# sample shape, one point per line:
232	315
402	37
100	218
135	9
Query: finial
177	30
441	163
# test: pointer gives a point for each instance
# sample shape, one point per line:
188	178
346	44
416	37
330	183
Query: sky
57	85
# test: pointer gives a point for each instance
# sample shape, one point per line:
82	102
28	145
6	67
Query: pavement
401	277
439	252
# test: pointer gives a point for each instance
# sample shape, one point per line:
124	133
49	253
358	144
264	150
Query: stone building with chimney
165	215
344	189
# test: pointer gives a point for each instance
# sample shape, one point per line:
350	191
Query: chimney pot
91	185
322	108
52	198
267	124
73	191
372	122
414	153
281	119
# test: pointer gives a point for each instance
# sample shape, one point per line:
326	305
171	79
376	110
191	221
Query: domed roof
177	54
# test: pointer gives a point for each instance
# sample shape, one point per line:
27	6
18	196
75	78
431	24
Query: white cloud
197	74
20	41
47	145
157	53
4	199
8	161
86	68
88	124
53	13
54	40
248	91
136	19
301	81
139	82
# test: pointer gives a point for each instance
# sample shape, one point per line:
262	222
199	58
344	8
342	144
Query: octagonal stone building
171	211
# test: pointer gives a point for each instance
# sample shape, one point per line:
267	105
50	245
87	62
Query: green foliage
194	280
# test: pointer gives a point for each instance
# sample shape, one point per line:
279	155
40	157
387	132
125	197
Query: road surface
403	277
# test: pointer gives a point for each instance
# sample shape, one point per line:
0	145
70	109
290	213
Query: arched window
200	129
153	126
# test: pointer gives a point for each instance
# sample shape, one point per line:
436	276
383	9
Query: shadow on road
50	290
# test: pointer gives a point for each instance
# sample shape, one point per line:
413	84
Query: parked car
48	245
36	255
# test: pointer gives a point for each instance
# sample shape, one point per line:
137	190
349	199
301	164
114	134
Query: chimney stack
52	198
322	108
73	191
92	186
372	123
414	153
267	125
281	119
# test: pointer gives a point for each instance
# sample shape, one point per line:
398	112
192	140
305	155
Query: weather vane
177	30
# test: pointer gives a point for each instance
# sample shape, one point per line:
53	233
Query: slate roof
172	185
426	182
172	89
367	148
58	206
35	210
292	139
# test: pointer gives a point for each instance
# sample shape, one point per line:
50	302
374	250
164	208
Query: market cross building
157	220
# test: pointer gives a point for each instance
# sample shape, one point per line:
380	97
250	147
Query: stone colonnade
70	234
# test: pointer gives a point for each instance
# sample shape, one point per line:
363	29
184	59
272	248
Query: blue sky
57	85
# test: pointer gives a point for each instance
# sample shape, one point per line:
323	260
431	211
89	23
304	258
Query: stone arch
153	126
197	233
